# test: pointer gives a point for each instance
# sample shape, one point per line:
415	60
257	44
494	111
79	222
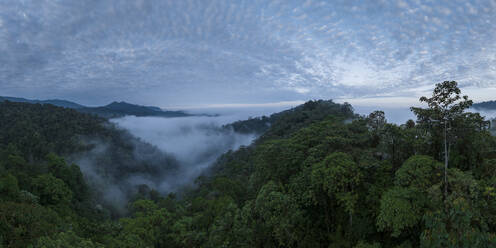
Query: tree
410	124
403	206
400	210
23	223
278	214
363	244
377	120
445	105
464	220
66	239
9	189
340	177
51	190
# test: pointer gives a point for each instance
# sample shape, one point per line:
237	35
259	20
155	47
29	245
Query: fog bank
195	142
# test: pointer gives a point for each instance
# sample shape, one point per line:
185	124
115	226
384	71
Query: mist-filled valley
154	153
194	142
207	179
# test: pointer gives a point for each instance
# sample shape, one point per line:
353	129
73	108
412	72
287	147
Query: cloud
218	52
196	142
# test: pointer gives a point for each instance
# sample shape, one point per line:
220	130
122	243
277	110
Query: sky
194	53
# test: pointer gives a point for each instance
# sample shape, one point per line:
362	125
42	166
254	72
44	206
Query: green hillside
112	110
56	102
319	176
120	109
488	105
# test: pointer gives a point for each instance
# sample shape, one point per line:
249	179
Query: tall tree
445	106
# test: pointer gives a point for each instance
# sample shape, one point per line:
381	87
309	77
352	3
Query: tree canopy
319	176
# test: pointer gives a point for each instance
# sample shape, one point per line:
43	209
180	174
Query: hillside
334	182
119	109
112	110
56	102
318	176
36	179
488	105
286	122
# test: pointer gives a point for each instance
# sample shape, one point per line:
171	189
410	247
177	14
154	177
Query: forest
319	175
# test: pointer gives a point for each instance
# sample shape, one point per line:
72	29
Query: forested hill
42	194
56	102
119	109
112	110
286	122
489	105
320	176
339	182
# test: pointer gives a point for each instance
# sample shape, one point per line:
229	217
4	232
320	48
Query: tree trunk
445	162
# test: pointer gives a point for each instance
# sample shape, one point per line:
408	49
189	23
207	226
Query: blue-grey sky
200	52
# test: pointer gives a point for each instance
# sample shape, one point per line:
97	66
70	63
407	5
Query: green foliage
9	189
336	184
363	244
340	177
446	103
65	239
460	223
419	173
32	134
277	214
319	176
22	223
400	209
278	160
51	190
149	226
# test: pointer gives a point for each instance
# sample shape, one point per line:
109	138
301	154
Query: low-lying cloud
165	154
196	142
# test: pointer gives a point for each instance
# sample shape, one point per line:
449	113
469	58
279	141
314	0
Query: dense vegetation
119	109
55	102
284	123
42	194
112	110
320	176
488	105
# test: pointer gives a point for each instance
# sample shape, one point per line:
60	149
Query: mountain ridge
114	109
56	102
486	105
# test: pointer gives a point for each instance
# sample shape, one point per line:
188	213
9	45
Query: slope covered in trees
340	182
320	176
112	110
56	102
286	122
42	194
488	105
119	109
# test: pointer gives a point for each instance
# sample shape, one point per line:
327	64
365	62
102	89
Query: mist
118	167
195	142
399	115
170	153
163	154
489	114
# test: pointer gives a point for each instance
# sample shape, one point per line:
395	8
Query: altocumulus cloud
203	52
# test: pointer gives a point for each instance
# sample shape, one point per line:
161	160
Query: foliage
319	176
65	239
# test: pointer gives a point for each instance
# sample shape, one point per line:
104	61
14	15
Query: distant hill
56	102
285	123
112	110
119	109
489	105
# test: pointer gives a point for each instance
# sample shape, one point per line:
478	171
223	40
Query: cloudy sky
200	52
